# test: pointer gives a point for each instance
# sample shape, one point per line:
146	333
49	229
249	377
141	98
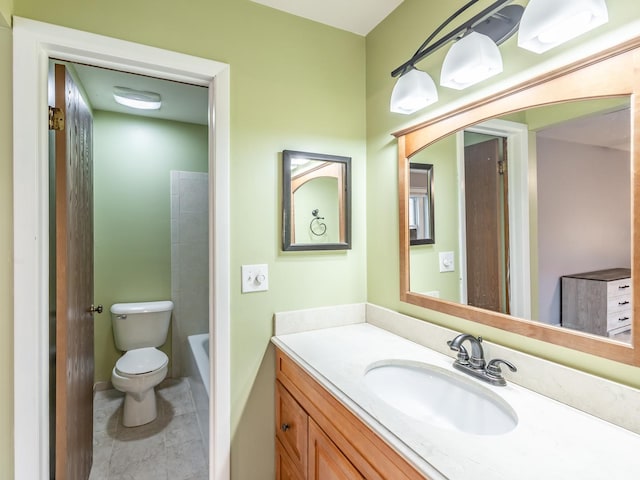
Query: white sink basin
440	398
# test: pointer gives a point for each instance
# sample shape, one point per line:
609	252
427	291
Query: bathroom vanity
332	423
318	437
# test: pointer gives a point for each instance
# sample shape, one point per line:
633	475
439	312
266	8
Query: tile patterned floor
169	448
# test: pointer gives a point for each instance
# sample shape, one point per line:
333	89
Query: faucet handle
493	369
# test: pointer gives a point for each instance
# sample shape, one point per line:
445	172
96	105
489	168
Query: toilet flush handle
94	309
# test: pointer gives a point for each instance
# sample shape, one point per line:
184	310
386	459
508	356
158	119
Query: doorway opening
486	222
512	217
34	44
149	190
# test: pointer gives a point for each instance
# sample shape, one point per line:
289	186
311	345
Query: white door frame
33	44
517	135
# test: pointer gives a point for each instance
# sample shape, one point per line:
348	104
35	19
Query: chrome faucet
476	361
475	365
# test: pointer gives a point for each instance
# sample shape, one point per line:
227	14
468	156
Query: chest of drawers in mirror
598	302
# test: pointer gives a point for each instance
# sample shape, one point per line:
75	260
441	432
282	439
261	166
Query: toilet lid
141	360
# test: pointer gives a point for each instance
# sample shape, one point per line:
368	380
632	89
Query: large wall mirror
316	201
536	192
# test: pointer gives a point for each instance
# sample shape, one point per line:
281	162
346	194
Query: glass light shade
136	98
413	91
548	23
472	59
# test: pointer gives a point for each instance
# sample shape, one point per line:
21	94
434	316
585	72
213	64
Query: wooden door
326	461
486	226
74	282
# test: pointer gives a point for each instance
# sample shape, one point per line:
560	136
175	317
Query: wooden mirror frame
613	72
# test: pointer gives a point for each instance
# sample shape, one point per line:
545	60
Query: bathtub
198	375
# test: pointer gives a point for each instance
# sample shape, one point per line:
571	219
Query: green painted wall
297	85
322	194
426	276
6	7
132	217
541	117
388	46
6	260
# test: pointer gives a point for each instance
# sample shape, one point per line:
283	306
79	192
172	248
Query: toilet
138	329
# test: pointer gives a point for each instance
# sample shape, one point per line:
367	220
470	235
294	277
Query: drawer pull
622	287
623	319
284	427
626	302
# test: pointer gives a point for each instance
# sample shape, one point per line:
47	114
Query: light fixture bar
425	51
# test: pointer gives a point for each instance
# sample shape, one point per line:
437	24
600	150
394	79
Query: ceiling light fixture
137	98
475	55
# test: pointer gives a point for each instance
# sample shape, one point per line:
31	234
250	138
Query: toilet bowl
136	374
138	329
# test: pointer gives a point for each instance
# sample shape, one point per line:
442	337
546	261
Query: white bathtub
198	374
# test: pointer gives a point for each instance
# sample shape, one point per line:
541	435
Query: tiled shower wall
189	262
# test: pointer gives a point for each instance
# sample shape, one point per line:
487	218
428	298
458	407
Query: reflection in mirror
421	204
570	210
536	208
316	201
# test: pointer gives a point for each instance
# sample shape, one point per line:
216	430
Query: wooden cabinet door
285	468
326	461
291	427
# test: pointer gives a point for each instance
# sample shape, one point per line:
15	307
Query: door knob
94	309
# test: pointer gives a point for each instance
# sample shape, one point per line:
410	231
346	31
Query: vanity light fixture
472	59
475	56
548	23
413	91
137	98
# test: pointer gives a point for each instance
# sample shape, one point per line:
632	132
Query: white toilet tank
142	324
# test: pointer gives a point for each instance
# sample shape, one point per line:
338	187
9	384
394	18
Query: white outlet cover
447	262
255	278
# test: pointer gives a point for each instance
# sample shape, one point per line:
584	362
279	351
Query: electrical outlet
255	278
447	263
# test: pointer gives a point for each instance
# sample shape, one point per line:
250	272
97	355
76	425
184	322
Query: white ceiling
180	102
357	16
608	129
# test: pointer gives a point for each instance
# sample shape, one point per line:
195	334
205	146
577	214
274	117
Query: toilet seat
141	361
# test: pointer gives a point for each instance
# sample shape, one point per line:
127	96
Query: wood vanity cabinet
597	302
318	438
326	461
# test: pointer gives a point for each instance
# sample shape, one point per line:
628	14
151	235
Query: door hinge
501	167
56	119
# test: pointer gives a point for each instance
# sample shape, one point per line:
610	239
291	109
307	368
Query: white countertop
551	440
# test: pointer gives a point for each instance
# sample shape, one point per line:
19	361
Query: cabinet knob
284	427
